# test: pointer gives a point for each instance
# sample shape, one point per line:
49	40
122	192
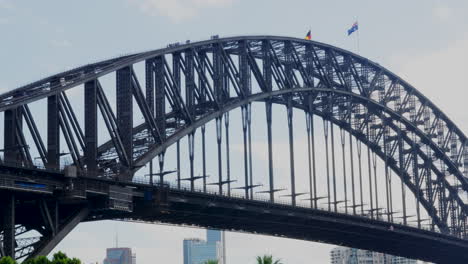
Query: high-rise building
198	251
342	255
402	260
119	256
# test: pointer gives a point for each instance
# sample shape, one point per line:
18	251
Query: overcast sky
423	41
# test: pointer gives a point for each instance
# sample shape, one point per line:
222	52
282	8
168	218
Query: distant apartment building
119	256
198	251
342	255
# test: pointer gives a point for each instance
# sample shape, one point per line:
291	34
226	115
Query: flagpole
357	21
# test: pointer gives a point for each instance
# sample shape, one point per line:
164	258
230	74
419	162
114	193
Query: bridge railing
35	164
211	191
258	198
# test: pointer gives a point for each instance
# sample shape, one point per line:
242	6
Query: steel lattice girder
379	90
357	132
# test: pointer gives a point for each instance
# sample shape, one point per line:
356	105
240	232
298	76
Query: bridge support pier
8	226
53	132
91	126
125	117
12	147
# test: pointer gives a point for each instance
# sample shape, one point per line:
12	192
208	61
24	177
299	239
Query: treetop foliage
58	258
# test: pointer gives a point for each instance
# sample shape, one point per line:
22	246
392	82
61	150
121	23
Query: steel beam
220	160
351	157
369	167
333	166
68	134
50	242
149	83
176	65
343	158
271	178
8	214
327	160
35	134
244	69
218	72
191	150
361	190
246	160
53	132
228	162
291	151
11	145
70	115
190	81
267	75
201	82
146	111
288	65
125	115
309	128
149	90
91	129
249	131
111	123
203	129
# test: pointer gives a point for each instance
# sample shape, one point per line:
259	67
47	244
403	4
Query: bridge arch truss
188	85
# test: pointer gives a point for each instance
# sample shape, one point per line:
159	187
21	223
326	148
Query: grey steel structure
188	85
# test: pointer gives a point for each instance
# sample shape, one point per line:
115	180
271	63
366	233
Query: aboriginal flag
308	36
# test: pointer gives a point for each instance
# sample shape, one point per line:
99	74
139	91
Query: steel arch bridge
375	125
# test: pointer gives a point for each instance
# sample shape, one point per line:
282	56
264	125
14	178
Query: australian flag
353	28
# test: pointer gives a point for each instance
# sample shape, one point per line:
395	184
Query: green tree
37	260
62	258
7	260
58	258
267	259
41	260
211	261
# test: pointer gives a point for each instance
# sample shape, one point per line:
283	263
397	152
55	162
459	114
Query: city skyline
344	255
119	255
198	251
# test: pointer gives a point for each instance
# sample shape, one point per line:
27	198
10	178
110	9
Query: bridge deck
162	204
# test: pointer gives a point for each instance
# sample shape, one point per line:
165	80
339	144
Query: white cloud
3	88
442	12
178	10
60	43
4	21
440	75
6	4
